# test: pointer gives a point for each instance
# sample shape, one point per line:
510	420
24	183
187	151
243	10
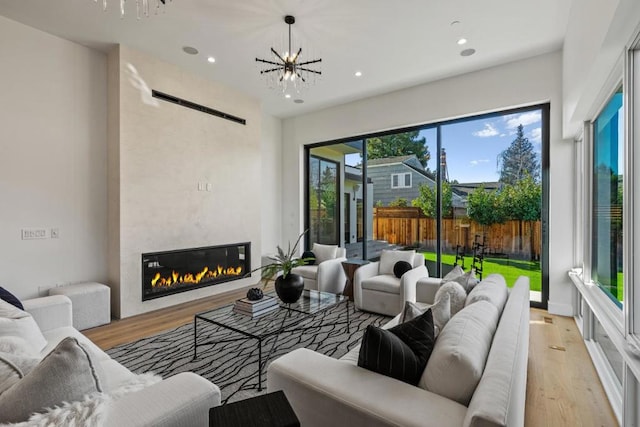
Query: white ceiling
396	44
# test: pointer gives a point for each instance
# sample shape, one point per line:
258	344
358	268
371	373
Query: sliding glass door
324	201
467	192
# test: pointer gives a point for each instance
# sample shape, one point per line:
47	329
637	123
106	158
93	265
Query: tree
519	160
522	201
399	202
427	200
485	207
399	144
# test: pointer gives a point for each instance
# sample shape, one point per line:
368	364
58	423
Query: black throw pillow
400	268
401	352
7	296
311	257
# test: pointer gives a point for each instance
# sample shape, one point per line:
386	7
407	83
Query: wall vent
197	107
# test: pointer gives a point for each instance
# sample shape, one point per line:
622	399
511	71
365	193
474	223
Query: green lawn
509	268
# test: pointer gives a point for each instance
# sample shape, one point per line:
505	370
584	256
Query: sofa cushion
306	271
55	336
460	353
66	374
441	311
324	252
7	296
384	283
400	352
389	258
457	295
16	322
493	289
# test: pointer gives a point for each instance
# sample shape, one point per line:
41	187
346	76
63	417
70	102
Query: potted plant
289	286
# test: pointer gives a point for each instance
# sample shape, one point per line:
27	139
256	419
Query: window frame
401	181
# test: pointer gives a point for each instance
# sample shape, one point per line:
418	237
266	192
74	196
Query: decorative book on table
255	308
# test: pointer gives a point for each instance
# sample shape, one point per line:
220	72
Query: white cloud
523	119
536	135
477	162
503	134
489	130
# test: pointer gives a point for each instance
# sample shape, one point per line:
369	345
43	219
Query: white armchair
378	290
327	274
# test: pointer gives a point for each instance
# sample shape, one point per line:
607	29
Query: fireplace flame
190	278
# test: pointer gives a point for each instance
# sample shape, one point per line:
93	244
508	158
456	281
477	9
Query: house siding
381	178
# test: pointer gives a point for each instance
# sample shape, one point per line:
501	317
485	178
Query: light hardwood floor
562	389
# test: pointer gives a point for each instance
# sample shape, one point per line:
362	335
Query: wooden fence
409	227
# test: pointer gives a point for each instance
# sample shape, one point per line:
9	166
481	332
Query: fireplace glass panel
166	273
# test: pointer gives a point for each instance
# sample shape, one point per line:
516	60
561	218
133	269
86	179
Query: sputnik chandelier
285	69
142	6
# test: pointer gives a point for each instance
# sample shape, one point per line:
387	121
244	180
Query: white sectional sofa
325	391
181	400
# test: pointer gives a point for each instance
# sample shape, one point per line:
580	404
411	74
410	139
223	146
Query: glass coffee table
286	318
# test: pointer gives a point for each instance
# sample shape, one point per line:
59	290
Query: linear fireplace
170	272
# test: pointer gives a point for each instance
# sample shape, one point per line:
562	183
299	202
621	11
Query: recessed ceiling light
190	50
211	59
462	41
358	74
467	52
287	96
298	101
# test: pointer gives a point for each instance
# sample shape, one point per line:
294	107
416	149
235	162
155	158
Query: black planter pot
289	289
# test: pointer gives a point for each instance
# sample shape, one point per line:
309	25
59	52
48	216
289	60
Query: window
608	172
401	180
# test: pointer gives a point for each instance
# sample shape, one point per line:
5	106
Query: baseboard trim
561	309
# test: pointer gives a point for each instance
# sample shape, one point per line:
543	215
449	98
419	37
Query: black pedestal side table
267	410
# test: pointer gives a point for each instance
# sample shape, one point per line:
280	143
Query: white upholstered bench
90	303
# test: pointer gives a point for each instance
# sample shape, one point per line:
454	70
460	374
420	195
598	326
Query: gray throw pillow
441	311
13	367
456	272
66	374
457	295
468	281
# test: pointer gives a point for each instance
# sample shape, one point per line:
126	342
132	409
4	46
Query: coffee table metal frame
285	318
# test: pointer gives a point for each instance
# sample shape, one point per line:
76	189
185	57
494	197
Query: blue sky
473	146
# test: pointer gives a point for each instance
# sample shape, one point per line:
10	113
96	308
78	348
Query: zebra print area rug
232	366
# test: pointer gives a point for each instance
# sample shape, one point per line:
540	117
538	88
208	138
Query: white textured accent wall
163	151
271	180
52	160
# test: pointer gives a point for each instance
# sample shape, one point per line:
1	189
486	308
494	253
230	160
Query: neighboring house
401	177
466	188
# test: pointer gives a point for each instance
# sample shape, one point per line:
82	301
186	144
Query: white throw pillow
460	353
389	258
324	252
19	323
457	295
